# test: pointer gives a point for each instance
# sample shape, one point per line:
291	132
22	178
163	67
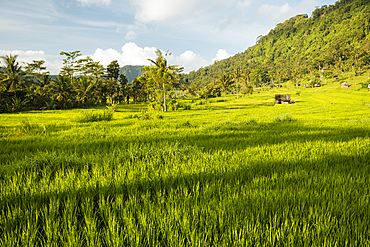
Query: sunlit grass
238	172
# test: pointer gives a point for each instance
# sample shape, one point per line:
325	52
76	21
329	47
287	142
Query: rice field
240	172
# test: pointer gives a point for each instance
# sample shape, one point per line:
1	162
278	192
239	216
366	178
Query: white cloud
221	54
159	10
53	64
130	35
189	60
276	14
244	4
94	2
132	54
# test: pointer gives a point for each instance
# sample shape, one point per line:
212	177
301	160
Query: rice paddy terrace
240	172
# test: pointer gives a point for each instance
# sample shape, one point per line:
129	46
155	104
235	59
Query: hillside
131	71
335	37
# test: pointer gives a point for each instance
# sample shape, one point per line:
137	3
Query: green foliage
113	70
284	118
159	78
92	116
335	40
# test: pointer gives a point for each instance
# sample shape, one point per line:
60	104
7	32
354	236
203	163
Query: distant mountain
333	40
131	71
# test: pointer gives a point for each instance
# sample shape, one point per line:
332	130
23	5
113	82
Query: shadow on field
227	136
131	107
237	106
203	184
239	136
236	136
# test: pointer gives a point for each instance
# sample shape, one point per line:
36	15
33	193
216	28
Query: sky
195	32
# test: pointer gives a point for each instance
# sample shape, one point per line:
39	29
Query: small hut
344	84
282	99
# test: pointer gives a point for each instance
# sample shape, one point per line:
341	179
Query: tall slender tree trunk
164	99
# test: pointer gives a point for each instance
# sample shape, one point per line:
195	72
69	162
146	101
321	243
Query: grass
239	172
87	117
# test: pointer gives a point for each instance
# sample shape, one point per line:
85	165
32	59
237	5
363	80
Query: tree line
83	83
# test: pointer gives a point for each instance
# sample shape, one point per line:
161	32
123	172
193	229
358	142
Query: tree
61	90
122	87
70	63
237	74
160	74
87	67
225	82
13	73
84	89
35	67
113	70
137	91
207	90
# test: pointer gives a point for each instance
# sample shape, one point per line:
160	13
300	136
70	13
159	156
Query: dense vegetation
81	83
240	172
335	39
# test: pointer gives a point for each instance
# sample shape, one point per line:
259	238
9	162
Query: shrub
285	118
87	117
252	122
187	107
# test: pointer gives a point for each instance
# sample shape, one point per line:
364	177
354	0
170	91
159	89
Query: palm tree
84	89
237	74
61	89
225	82
13	72
161	74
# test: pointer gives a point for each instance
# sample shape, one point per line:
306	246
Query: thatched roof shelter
282	99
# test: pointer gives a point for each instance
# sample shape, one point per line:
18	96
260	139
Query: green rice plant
186	106
26	129
235	175
91	116
285	118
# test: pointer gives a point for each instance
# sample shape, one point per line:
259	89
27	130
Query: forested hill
336	37
131	72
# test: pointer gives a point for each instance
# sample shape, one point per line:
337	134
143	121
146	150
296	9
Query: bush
87	117
285	118
187	107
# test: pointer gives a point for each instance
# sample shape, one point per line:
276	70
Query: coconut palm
84	88
61	90
237	74
225	82
13	73
161	74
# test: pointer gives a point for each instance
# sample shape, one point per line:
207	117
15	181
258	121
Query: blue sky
196	32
